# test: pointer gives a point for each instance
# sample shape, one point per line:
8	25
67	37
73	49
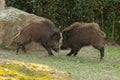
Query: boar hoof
69	54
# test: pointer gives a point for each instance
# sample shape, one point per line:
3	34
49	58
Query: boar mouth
56	50
63	48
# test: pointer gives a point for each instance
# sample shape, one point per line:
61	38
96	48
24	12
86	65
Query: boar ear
69	33
56	35
66	33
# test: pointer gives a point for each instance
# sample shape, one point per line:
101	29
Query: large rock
12	21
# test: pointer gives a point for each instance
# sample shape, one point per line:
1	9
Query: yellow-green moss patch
13	70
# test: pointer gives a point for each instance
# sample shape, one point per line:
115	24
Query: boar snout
56	50
63	47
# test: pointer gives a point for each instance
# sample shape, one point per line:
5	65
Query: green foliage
65	12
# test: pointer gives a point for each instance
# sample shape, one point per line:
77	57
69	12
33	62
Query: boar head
54	41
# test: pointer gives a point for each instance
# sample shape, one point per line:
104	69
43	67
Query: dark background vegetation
65	12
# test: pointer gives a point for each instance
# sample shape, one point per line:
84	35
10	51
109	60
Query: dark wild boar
43	32
79	35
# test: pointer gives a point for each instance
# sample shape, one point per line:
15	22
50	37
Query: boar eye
55	36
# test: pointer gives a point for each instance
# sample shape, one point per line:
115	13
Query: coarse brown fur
79	35
43	32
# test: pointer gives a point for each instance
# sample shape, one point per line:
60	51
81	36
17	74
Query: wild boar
79	35
43	32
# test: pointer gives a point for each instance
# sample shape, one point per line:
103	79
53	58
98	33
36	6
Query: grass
86	66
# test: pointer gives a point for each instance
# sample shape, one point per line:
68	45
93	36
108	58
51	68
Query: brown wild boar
79	35
43	32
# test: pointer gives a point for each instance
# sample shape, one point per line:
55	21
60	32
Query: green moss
11	71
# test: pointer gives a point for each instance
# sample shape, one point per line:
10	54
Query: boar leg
47	48
101	53
76	51
101	49
23	48
25	43
17	49
22	44
72	52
